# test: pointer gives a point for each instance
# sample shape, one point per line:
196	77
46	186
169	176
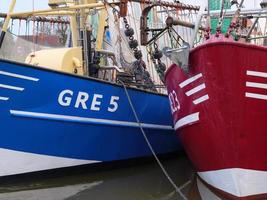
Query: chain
156	60
155	56
133	43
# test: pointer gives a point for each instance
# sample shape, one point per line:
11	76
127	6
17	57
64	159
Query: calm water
142	182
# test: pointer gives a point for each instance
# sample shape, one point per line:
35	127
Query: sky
27	5
23	5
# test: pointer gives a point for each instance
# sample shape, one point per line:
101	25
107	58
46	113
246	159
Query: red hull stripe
227	142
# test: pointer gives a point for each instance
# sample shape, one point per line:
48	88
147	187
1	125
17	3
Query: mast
74	35
7	20
208	23
101	29
234	20
197	26
59	9
219	26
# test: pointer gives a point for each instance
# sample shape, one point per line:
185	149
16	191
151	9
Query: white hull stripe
86	120
196	89
18	76
189	119
4	98
256	96
256	73
17	162
190	80
204	192
201	99
236	181
256	85
11	87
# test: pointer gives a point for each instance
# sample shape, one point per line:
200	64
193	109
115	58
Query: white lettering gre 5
114	105
96	103
64	98
81	99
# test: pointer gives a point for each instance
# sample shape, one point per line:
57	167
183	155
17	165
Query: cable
177	189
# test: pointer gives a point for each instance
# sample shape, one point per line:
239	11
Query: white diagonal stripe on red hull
256	85
257	73
17	162
195	90
190	80
237	181
187	120
201	99
256	96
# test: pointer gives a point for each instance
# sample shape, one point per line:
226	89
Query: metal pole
89	51
6	23
197	25
251	28
219	26
74	28
73	7
208	14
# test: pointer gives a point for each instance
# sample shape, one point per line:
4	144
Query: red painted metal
231	131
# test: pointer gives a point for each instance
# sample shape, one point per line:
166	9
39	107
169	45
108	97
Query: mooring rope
177	189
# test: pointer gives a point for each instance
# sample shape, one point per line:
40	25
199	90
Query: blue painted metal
32	120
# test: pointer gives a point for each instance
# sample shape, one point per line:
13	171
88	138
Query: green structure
216	5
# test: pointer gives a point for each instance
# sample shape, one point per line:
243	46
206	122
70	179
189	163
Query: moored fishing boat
218	102
55	116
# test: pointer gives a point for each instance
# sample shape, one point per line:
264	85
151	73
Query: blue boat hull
51	120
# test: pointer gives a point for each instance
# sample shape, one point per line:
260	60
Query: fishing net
17	48
118	42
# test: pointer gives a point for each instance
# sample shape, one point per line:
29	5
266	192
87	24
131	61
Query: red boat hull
219	111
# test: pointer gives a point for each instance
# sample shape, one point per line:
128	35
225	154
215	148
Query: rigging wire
177	189
221	18
12	24
33	28
19	27
132	9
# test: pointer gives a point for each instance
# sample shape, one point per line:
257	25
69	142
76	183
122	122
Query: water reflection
143	182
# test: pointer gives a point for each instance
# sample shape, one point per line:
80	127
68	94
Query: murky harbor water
142	182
